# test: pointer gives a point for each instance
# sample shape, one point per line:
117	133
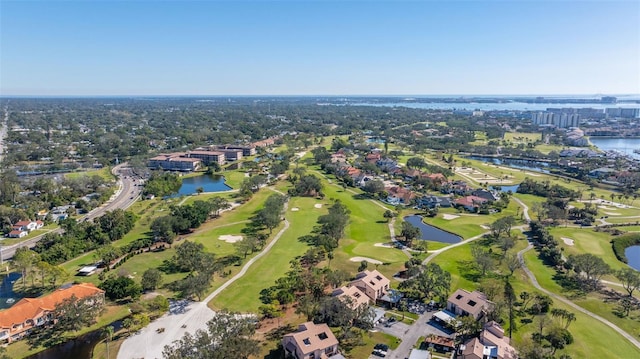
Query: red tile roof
30	308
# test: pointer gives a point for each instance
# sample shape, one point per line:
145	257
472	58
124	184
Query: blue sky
318	47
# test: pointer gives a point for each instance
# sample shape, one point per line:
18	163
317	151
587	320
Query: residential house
39	224
361	180
483	193
437	178
311	341
17	321
399	195
412	173
602	172
470	203
463	302
431	201
373	157
24	225
440	343
338	158
492	344
387	164
372	283
17	234
355	295
460	188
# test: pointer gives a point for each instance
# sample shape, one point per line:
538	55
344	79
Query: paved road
535	283
126	194
149	344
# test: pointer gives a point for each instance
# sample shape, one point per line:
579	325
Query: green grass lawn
587	241
243	295
104	173
585	328
614	220
592	338
629	228
522	137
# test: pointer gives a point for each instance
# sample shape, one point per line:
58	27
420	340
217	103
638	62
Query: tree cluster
330	228
184	218
162	184
228	335
81	237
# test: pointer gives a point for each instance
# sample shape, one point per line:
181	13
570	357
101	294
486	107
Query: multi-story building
174	162
207	157
372	283
617	112
248	150
311	341
28	313
561	120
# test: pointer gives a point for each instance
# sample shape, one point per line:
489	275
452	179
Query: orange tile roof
30	308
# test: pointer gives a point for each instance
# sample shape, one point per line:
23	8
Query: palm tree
108	333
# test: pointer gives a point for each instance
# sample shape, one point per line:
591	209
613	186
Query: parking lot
409	333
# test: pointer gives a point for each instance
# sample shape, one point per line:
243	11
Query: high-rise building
560	120
622	112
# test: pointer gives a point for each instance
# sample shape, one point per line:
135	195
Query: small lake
519	164
512	188
7	296
633	256
431	233
210	183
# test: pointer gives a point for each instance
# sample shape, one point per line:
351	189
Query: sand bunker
229	238
385	245
318	205
360	259
484	226
612	213
567	241
449	217
295	209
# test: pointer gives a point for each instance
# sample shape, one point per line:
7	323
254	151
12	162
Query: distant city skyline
319	48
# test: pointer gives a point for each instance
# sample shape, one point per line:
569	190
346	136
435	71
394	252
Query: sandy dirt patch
317	205
295	209
229	238
612	213
385	245
360	259
567	241
532	174
449	217
484	226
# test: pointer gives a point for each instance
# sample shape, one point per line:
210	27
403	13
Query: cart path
537	285
148	343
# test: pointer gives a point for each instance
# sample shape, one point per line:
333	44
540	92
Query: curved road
148	343
126	194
